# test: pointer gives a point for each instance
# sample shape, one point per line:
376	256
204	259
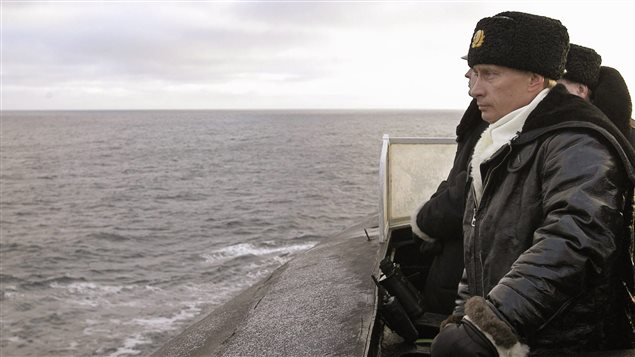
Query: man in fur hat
547	224
601	85
582	71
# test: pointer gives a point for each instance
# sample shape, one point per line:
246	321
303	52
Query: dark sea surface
121	228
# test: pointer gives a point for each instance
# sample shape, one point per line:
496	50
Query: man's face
470	78
575	88
500	90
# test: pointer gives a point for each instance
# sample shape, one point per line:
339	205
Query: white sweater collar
497	135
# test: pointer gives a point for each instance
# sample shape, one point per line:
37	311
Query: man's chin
489	117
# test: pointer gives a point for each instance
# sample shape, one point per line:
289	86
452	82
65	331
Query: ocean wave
8	279
129	346
250	249
9	292
91	294
33	283
112	237
183	196
152	223
89	287
162	324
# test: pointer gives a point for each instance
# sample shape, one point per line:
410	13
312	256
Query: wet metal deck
320	303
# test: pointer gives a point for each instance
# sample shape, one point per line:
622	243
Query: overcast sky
274	54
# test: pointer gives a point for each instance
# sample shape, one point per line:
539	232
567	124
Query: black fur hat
583	66
522	41
612	97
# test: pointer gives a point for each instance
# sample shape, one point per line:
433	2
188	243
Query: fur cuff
497	331
452	319
415	227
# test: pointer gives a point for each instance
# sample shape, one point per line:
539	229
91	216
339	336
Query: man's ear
536	82
583	90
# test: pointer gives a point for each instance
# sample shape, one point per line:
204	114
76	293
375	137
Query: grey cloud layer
168	42
120	54
150	42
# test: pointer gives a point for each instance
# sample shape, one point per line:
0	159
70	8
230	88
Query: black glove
430	249
467	337
462	340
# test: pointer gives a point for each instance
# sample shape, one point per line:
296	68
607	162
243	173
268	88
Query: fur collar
471	118
561	110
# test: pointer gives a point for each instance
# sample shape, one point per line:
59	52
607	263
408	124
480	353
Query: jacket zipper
477	202
475	211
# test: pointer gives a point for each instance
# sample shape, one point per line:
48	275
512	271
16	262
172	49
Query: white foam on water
129	346
162	324
243	249
92	294
73	345
152	288
89	288
16	339
11	294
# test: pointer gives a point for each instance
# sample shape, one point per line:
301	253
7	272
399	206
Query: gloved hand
468	338
430	248
462	340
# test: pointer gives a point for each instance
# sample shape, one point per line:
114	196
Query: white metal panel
411	169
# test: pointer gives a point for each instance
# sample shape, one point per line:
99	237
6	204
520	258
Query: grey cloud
353	14
183	42
300	14
127	44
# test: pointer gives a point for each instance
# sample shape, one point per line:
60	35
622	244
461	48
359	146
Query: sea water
121	228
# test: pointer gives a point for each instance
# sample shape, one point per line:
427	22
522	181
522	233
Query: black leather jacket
549	244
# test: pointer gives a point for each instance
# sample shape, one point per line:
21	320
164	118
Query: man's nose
475	87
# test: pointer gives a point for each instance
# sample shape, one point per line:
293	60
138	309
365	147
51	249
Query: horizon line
221	109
